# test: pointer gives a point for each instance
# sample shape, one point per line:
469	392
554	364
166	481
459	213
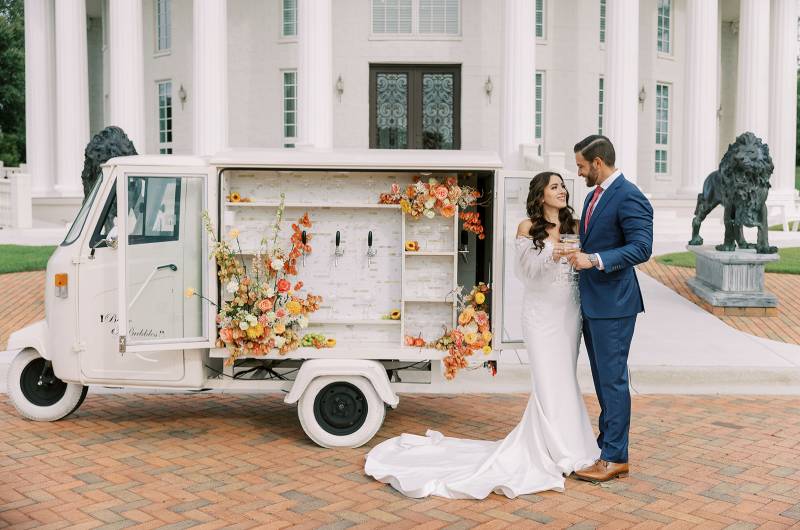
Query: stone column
210	81
518	85
40	95
127	69
782	99
315	73
752	90
700	109
72	95
622	83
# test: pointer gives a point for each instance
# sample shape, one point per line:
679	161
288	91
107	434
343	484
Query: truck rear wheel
340	411
37	393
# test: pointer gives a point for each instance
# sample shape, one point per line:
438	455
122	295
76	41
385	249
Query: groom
616	231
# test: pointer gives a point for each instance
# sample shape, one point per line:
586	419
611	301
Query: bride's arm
528	260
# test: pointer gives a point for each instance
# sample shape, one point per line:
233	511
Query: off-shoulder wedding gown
554	437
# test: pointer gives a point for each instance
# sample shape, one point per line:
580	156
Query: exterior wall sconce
488	87
182	95
642	95
339	88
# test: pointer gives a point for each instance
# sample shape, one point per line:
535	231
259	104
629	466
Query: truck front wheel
340	411
37	393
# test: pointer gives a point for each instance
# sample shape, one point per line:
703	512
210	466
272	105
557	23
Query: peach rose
265	305
448	210
280	313
226	335
279	328
440	192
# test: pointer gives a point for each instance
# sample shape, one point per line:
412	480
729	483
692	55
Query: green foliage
19	258
12	82
788	264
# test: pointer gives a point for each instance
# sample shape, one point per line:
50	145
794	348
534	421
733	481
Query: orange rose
284	285
448	210
265	305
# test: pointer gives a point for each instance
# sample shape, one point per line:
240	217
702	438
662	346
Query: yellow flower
487	336
294	307
470	338
405	206
235	197
487	350
480	298
330	343
189	292
233	234
279	328
253	332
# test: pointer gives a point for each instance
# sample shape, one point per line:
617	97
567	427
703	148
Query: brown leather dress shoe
602	471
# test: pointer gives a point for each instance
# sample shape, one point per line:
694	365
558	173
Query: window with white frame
289	108
601	99
539	22
662	129
602	21
416	17
163	25
289	26
165	117
538	133
664	26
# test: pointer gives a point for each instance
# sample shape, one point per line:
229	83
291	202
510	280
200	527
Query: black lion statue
105	145
740	185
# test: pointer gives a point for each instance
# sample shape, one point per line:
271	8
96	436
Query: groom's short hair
597	146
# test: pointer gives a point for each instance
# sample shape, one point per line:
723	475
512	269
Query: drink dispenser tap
304	240
371	251
338	251
463	248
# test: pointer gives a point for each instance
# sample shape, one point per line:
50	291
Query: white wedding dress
554	437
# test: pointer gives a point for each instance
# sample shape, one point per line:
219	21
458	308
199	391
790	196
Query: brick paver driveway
235	460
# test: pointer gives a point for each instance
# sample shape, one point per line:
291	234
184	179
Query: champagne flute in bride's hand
571	243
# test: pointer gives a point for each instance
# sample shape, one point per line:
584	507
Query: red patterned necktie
597	191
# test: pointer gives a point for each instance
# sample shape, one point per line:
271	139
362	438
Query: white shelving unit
423	308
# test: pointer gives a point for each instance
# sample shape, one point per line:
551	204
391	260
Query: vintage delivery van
142	311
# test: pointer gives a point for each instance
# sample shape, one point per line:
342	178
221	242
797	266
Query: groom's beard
591	178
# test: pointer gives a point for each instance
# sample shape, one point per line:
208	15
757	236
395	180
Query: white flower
252	320
276	264
271	317
303	321
279	341
419	187
446	201
243	325
432	181
429	203
429	214
472	327
232	286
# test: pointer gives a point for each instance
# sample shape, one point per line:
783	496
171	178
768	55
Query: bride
554	436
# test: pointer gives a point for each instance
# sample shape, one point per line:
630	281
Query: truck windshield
80	219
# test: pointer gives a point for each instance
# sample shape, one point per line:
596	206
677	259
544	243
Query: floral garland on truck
265	311
426	199
472	334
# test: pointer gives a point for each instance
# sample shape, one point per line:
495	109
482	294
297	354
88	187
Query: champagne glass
572	244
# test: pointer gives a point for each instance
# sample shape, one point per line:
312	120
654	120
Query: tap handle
369	239
304	237
338	238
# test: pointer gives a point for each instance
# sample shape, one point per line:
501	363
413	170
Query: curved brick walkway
784	326
224	460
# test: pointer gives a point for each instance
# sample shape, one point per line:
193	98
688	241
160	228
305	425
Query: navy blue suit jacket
621	232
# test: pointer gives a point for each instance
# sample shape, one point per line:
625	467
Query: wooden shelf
365	322
431	253
270	204
349	350
429	301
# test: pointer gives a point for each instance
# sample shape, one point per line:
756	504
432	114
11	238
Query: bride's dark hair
535	210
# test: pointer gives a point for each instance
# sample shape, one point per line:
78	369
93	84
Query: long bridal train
554	437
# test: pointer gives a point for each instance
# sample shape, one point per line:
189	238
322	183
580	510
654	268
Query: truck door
512	193
159	259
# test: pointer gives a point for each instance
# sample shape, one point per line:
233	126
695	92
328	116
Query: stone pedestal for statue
731	279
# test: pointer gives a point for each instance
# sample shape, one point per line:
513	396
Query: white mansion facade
671	82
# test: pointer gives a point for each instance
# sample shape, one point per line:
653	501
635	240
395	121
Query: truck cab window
153	211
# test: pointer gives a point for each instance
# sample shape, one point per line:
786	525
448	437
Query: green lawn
788	264
20	258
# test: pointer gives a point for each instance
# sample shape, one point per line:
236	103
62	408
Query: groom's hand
580	261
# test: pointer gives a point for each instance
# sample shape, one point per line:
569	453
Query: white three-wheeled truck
116	313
